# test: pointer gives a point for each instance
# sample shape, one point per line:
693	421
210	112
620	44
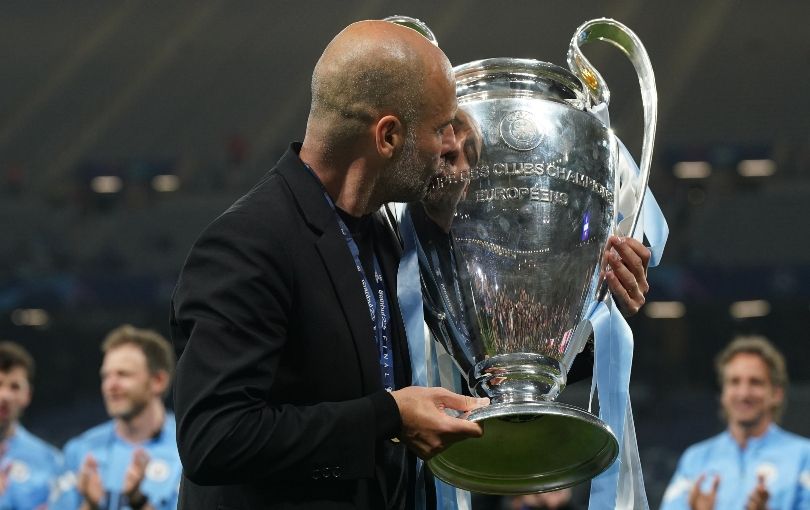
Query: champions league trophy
510	277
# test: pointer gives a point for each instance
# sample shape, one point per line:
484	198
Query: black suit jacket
278	394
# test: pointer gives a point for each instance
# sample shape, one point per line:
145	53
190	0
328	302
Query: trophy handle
416	24
605	29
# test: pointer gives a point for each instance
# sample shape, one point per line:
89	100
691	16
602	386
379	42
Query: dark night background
211	92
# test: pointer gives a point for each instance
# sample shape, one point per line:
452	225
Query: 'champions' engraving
535	194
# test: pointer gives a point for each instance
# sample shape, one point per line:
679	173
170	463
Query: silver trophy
510	241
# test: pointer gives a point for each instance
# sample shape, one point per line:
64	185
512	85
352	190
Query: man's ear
27	394
160	381
389	135
779	394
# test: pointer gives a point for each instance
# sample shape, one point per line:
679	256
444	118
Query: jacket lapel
337	260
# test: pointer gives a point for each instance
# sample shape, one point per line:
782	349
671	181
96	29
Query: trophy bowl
528	447
510	241
512	279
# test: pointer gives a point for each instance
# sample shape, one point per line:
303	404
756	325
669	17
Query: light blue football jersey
782	458
113	454
33	466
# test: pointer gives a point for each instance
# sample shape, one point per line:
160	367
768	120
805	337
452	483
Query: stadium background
126	126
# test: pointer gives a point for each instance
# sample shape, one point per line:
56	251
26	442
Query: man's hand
627	276
759	497
4	470
135	473
426	428
699	500
89	483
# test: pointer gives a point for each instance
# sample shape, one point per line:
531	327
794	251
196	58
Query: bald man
293	387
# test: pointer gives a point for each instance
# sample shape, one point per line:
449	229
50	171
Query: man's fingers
715	484
89	463
627	277
460	402
630	253
623	284
426	428
462	427
140	458
695	491
622	257
89	469
630	301
631	249
760	495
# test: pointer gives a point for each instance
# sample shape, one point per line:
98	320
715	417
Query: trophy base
528	447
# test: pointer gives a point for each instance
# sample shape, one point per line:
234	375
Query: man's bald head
371	69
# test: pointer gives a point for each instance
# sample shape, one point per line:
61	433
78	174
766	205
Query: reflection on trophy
510	244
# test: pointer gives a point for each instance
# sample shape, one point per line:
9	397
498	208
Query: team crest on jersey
158	470
804	479
66	482
19	472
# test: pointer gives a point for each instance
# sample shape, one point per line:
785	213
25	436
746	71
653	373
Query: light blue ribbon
655	227
613	358
409	294
621	486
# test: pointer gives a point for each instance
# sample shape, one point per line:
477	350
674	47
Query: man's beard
444	192
134	409
409	181
5	428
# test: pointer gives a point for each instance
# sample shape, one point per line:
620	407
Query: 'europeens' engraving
536	194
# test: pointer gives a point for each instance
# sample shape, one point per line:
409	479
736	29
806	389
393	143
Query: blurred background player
28	465
131	461
753	464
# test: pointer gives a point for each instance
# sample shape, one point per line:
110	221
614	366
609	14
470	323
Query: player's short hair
158	351
13	355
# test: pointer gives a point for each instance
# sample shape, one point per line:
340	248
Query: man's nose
448	140
744	389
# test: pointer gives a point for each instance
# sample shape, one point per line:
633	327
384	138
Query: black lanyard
376	298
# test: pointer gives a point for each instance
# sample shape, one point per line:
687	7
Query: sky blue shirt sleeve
64	495
32	468
803	485
676	497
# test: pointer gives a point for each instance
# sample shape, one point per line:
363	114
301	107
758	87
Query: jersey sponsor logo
158	470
